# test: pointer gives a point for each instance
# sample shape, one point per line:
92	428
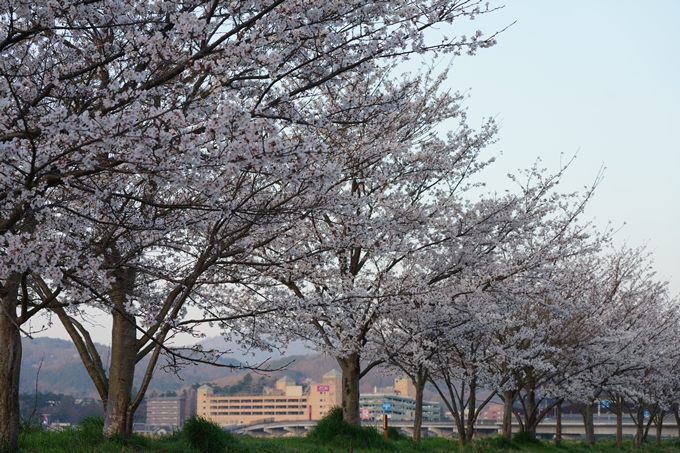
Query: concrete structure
492	412
398	406
570	429
403	386
286	402
169	412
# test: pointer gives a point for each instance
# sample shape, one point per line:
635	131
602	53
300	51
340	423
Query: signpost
387	406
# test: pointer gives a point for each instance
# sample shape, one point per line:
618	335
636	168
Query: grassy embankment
329	437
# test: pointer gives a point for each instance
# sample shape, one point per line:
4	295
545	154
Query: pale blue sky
598	77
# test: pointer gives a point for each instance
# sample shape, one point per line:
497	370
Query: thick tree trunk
471	417
589	425
10	365
530	414
676	413
558	423
640	431
508	400
658	423
619	421
124	346
350	388
418	416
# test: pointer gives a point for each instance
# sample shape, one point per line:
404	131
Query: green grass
330	438
207	436
87	438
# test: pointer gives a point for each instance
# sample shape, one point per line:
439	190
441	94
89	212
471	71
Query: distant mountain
56	366
58	369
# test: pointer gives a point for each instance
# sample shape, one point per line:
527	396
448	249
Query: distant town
287	401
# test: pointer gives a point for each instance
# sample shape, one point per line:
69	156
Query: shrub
499	443
332	429
394	434
25	426
207	436
525	438
91	429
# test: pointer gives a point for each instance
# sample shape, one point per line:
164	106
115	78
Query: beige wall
403	386
286	403
247	409
324	396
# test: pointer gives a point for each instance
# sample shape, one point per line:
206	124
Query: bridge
571	428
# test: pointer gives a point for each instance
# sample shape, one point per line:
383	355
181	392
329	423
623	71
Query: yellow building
403	386
287	402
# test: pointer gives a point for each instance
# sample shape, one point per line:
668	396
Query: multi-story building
400	405
286	402
492	412
169	412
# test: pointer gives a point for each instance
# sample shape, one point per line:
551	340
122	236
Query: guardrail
571	427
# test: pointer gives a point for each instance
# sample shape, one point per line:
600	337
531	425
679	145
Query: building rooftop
286	380
333	373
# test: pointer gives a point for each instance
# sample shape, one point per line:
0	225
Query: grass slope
330	436
74	442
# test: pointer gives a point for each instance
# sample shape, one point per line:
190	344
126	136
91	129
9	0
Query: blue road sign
387	406
605	404
646	414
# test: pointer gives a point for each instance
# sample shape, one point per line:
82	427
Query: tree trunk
530	413
558	423
10	365
588	423
418	416
88	353
508	400
124	345
639	432
471	417
619	421
350	388
676	413
658	422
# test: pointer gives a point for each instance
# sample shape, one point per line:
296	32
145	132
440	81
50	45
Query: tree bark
350	388
658	423
640	422
530	412
587	414
508	400
124	345
558	423
471	417
619	421
418	416
676	413
88	353
10	364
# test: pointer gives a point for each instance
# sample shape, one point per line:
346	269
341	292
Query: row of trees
264	163
151	152
595	327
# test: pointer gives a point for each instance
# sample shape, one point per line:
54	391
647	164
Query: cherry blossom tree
357	259
104	102
579	341
467	338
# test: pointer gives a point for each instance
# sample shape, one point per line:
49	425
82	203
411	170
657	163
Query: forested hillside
61	370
